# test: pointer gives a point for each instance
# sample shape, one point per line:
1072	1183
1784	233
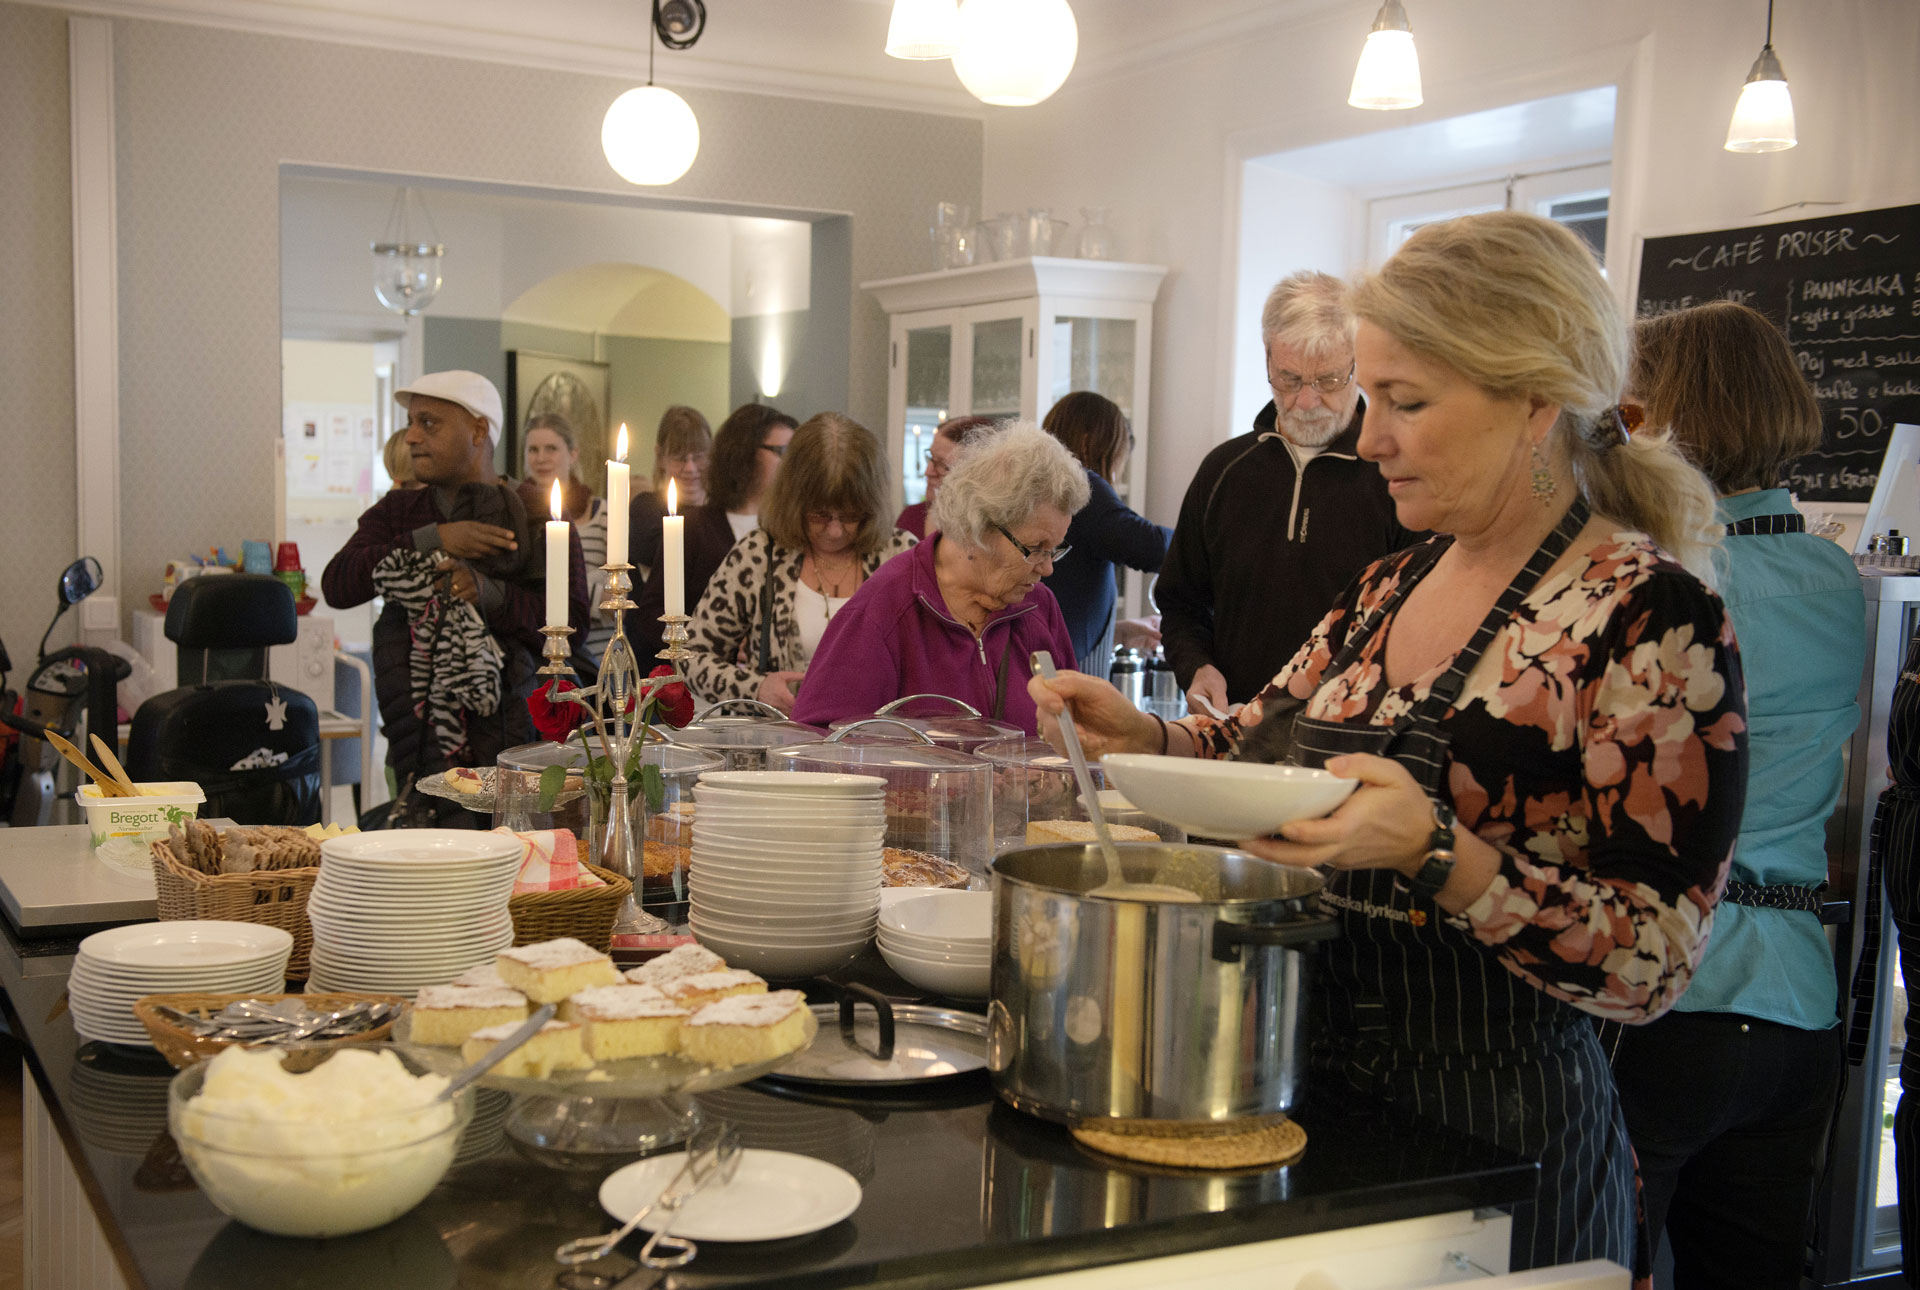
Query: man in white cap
452	682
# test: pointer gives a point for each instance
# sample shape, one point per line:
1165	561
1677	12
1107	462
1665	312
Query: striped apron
1420	1014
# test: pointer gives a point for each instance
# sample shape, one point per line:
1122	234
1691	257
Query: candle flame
554	506
671	508
620	445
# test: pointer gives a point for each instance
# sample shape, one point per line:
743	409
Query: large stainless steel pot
1145	1010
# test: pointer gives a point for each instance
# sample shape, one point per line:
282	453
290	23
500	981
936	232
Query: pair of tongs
712	1157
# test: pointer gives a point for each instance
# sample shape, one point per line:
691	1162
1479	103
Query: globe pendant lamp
1388	76
406	264
1014	53
1763	117
650	135
923	29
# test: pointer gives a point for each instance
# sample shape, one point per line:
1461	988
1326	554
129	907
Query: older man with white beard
1279	520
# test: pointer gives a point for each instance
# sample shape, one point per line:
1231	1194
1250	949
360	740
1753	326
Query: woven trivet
1271	1140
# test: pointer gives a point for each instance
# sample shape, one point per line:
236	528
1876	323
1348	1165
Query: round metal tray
866	1041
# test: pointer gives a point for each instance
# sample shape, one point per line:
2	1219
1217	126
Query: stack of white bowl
786	868
189	956
395	911
941	941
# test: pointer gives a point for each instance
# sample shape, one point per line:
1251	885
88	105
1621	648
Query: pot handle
853	992
960	704
1229	937
912	736
755	706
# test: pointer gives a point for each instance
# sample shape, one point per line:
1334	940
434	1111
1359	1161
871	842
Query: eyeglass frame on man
1319	383
1033	555
777	449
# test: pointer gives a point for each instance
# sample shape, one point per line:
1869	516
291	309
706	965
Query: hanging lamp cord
1769	23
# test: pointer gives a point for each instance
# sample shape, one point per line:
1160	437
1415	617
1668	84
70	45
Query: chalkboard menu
1846	290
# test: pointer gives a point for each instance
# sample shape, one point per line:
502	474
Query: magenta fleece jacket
895	637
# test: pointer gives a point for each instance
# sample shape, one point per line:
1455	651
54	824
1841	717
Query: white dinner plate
157	983
187	943
416	848
803	783
773	1195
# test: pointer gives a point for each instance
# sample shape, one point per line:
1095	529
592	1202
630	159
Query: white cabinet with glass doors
1010	339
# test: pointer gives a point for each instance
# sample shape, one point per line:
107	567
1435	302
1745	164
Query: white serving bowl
780	962
815	906
824	874
941	915
927	945
834	931
1225	799
957	957
955	981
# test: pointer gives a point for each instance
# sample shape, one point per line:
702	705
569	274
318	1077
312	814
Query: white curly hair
1002	476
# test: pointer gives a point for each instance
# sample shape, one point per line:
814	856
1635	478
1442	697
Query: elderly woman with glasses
963	614
821	536
940	453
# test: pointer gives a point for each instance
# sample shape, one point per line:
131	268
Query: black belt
1777	896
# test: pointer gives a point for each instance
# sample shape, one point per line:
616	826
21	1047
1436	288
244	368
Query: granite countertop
958	1189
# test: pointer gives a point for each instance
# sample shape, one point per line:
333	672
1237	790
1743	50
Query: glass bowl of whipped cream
315	1140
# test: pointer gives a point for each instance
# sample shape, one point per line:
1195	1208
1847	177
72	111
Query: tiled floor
12	1235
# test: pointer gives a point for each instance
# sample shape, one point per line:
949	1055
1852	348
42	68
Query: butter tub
127	824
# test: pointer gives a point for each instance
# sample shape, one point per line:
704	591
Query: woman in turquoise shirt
1728	1097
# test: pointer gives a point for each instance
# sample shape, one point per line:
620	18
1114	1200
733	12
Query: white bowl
774	851
804	783
780	962
967	958
940	915
789	834
813	872
1225	799
854	927
955	981
922	945
809	904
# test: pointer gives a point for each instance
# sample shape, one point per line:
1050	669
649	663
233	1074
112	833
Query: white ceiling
830	49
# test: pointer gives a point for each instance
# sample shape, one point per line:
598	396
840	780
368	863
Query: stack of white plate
786	868
392	912
941	941
190	956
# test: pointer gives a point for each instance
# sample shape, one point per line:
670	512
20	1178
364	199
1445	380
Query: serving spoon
1116	887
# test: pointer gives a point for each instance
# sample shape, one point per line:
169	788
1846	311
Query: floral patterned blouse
1600	746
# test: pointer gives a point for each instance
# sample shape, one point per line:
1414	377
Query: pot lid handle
961	704
916	736
853	992
755	706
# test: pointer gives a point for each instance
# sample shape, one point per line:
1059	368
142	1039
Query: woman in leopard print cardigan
821	534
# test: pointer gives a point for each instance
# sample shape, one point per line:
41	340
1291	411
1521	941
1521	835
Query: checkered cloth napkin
551	862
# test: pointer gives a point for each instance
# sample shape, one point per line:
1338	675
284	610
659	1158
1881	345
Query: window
1576	196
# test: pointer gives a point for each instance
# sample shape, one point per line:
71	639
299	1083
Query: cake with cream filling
746	1028
486	975
626	1021
444	1015
702	988
556	1046
551	970
681	960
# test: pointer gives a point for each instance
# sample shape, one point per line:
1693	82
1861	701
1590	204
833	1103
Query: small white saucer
774	1194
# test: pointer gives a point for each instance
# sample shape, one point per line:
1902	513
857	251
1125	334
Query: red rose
554	717
672	703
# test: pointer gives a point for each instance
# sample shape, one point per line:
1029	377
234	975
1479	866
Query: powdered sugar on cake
624	1003
564	952
485	976
468	996
708	982
682	960
749	1009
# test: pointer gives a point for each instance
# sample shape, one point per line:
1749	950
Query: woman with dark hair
1730	1154
746	455
552	452
946	442
1106	531
682	447
821	535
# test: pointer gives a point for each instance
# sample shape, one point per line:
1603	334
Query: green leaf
656	786
552	780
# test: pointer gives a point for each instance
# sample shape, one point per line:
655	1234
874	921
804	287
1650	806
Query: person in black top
1277	522
1105	532
1896	848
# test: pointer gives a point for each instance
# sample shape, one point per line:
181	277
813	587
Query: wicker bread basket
584	913
275	897
183	1048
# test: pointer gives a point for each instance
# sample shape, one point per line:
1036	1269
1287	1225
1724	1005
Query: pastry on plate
551	970
444	1015
746	1028
626	1021
663	859
556	1046
464	780
903	868
681	960
706	987
485	975
1041	832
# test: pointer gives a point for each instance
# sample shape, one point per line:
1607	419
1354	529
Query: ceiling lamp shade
1388	76
1763	116
650	135
923	29
406	259
1014	53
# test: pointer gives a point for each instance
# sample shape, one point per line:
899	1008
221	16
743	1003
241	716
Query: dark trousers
1729	1116
1896	839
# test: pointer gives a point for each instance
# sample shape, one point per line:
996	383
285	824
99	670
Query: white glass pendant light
1763	118
923	29
650	135
1014	53
1388	75
406	259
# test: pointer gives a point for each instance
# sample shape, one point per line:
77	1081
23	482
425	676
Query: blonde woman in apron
1544	709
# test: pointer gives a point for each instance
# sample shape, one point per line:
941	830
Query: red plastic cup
287	559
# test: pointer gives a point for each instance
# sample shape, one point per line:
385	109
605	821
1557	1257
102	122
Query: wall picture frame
577	389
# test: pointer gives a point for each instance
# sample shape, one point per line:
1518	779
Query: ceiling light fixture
1763	118
923	30
1388	75
650	135
406	265
1014	53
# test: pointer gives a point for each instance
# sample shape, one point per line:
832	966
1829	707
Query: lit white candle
672	557
556	563
618	473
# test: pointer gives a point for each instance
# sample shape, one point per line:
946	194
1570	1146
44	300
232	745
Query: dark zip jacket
1263	550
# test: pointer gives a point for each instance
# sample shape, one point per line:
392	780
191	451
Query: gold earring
1543	486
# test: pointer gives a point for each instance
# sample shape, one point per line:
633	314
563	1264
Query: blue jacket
1104	533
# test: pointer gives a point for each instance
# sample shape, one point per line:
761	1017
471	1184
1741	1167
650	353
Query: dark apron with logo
1419	1013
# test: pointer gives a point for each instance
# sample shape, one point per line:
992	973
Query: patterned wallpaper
36	328
205	119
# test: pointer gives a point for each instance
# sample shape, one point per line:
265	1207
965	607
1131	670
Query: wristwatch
1437	866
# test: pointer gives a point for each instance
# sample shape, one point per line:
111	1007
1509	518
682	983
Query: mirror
80	580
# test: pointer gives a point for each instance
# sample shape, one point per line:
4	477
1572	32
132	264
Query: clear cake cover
1031	782
743	739
938	801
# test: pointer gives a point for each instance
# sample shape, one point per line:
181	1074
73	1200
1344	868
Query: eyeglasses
1288	384
821	519
1035	556
936	467
777	449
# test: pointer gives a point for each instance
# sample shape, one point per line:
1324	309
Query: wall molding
96	316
